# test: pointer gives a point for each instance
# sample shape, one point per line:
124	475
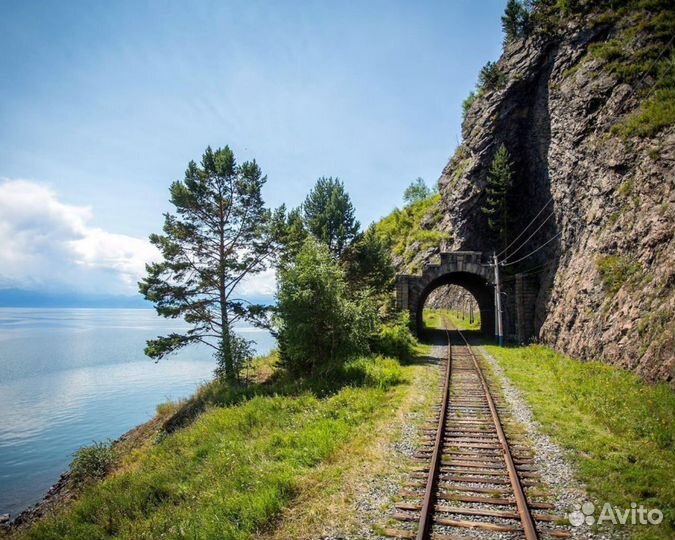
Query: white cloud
45	243
262	284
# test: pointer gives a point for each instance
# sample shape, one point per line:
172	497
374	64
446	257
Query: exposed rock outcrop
607	266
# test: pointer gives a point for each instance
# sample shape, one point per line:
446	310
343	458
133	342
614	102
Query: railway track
471	480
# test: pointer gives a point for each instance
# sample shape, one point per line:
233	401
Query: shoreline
62	492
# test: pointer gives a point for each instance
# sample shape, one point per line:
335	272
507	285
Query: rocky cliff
584	106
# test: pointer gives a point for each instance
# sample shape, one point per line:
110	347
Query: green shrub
395	338
375	372
413	224
625	189
615	270
466	104
655	114
93	462
491	77
320	323
607	50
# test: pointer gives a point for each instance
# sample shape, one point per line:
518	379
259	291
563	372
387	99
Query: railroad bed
472	481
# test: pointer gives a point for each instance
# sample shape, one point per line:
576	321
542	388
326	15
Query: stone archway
467	269
483	294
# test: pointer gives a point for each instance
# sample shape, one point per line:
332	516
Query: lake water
72	376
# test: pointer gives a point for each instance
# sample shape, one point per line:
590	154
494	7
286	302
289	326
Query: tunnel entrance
469	270
459	293
454	304
472	271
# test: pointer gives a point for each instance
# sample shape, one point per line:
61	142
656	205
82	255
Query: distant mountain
28	298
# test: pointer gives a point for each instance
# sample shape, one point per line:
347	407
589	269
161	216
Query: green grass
654	114
620	432
229	473
433	318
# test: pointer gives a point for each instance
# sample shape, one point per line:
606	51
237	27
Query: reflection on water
72	376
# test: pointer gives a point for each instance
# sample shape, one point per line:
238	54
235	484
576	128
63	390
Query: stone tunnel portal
472	271
468	269
474	284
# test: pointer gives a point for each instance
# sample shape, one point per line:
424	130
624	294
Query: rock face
451	297
603	204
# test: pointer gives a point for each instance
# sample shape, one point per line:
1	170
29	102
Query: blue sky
104	103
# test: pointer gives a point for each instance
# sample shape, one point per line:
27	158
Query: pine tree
417	191
499	181
515	21
367	263
491	77
329	215
220	233
292	236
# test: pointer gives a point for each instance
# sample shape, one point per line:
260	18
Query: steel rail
435	465
519	495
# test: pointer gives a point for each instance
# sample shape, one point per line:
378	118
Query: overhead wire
521	246
533	251
525	229
530	271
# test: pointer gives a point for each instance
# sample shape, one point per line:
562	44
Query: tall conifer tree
496	208
329	215
219	234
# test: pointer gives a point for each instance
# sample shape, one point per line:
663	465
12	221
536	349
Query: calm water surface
72	376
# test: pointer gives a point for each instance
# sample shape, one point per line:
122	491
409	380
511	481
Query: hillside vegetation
413	229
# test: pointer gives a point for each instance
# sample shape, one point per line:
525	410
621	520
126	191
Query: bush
491	77
414	223
241	355
655	114
93	462
378	372
466	104
615	270
320	325
395	339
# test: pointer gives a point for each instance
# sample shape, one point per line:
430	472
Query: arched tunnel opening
463	299
454	304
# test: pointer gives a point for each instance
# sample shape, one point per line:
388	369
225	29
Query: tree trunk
225	344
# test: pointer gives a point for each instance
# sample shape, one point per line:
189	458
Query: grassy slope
619	430
413	229
230	472
331	500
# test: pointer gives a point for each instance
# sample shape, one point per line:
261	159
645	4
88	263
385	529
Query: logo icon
635	515
582	514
